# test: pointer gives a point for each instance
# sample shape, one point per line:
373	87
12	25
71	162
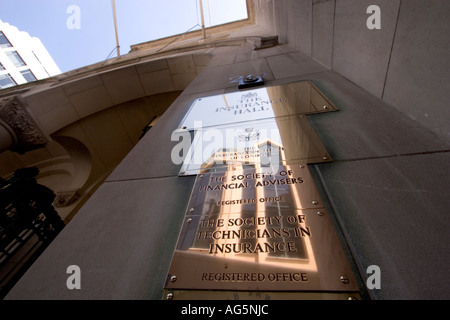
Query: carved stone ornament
15	115
65	199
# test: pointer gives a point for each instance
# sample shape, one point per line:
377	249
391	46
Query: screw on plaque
169	296
250	78
173	278
344	279
315	202
250	81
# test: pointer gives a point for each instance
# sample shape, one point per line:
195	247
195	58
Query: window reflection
234	127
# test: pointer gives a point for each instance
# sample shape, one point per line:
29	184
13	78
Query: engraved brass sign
284	140
255	224
249	126
257	230
251	190
257	104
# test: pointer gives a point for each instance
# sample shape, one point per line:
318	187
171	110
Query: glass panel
4	42
15	58
6	81
28	75
262	103
268	142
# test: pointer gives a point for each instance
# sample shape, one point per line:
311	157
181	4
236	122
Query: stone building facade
389	143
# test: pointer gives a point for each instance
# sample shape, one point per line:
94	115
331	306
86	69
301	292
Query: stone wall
404	63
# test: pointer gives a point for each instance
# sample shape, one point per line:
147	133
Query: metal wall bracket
250	81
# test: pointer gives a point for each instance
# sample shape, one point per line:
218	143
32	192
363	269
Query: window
28	75
6	81
4	42
15	58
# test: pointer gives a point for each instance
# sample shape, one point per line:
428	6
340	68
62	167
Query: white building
23	58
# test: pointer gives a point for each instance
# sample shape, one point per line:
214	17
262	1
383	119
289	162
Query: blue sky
91	37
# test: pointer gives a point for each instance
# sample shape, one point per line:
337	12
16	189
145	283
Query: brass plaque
257	104
251	190
268	142
267	232
255	221
258	295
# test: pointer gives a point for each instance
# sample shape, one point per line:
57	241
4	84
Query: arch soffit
61	105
